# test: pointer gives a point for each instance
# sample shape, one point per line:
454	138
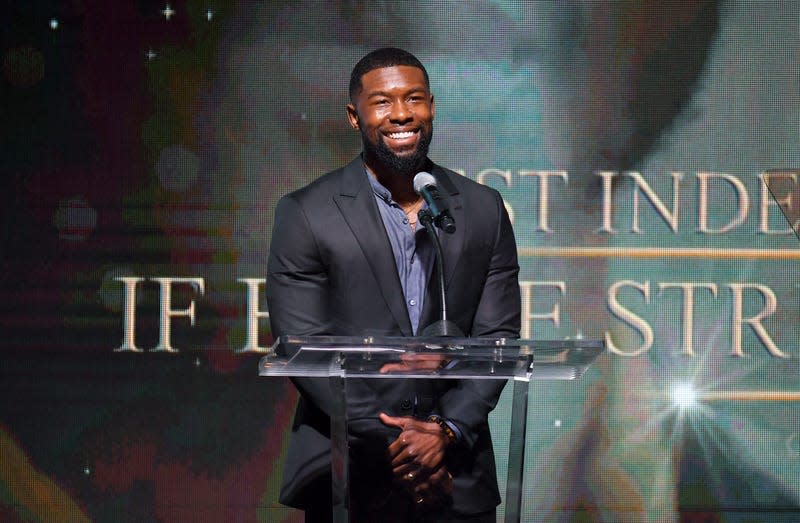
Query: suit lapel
356	201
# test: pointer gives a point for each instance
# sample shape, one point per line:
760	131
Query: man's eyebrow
419	89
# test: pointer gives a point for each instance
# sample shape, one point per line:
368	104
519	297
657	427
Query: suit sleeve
497	315
297	280
298	288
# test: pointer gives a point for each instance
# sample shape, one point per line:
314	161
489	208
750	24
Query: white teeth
400	136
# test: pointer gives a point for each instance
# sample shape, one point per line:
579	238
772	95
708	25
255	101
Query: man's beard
406	164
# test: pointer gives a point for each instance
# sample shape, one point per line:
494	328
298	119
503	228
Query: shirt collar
379	190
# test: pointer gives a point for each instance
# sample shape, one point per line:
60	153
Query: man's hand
419	449
429	363
433	491
418	461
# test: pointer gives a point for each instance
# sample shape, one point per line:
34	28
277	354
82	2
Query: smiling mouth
401	135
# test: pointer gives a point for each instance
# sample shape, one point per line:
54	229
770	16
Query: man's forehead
394	76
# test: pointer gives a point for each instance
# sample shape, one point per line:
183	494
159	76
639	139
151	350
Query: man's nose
400	112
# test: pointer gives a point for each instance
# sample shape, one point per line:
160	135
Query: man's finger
394	421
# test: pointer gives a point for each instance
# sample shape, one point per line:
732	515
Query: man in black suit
347	258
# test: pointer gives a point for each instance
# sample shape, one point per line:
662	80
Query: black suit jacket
331	270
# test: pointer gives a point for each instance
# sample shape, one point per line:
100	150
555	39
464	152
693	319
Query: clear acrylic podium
340	357
784	189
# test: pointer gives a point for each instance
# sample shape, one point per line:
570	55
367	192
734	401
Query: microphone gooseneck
443	327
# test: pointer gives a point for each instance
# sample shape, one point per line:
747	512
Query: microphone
425	185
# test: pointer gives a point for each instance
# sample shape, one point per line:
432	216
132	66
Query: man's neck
400	185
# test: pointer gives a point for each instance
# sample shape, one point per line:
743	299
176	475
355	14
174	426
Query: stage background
146	140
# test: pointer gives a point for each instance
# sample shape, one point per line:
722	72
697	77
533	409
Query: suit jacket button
405	404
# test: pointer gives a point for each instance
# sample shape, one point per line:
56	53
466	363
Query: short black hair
380	58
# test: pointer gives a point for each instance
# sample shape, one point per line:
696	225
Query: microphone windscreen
422	180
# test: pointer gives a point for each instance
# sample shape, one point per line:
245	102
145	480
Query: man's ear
352	116
433	107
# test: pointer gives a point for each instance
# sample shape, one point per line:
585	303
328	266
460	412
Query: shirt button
405	220
412	302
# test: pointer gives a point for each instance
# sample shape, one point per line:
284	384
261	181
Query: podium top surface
429	357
